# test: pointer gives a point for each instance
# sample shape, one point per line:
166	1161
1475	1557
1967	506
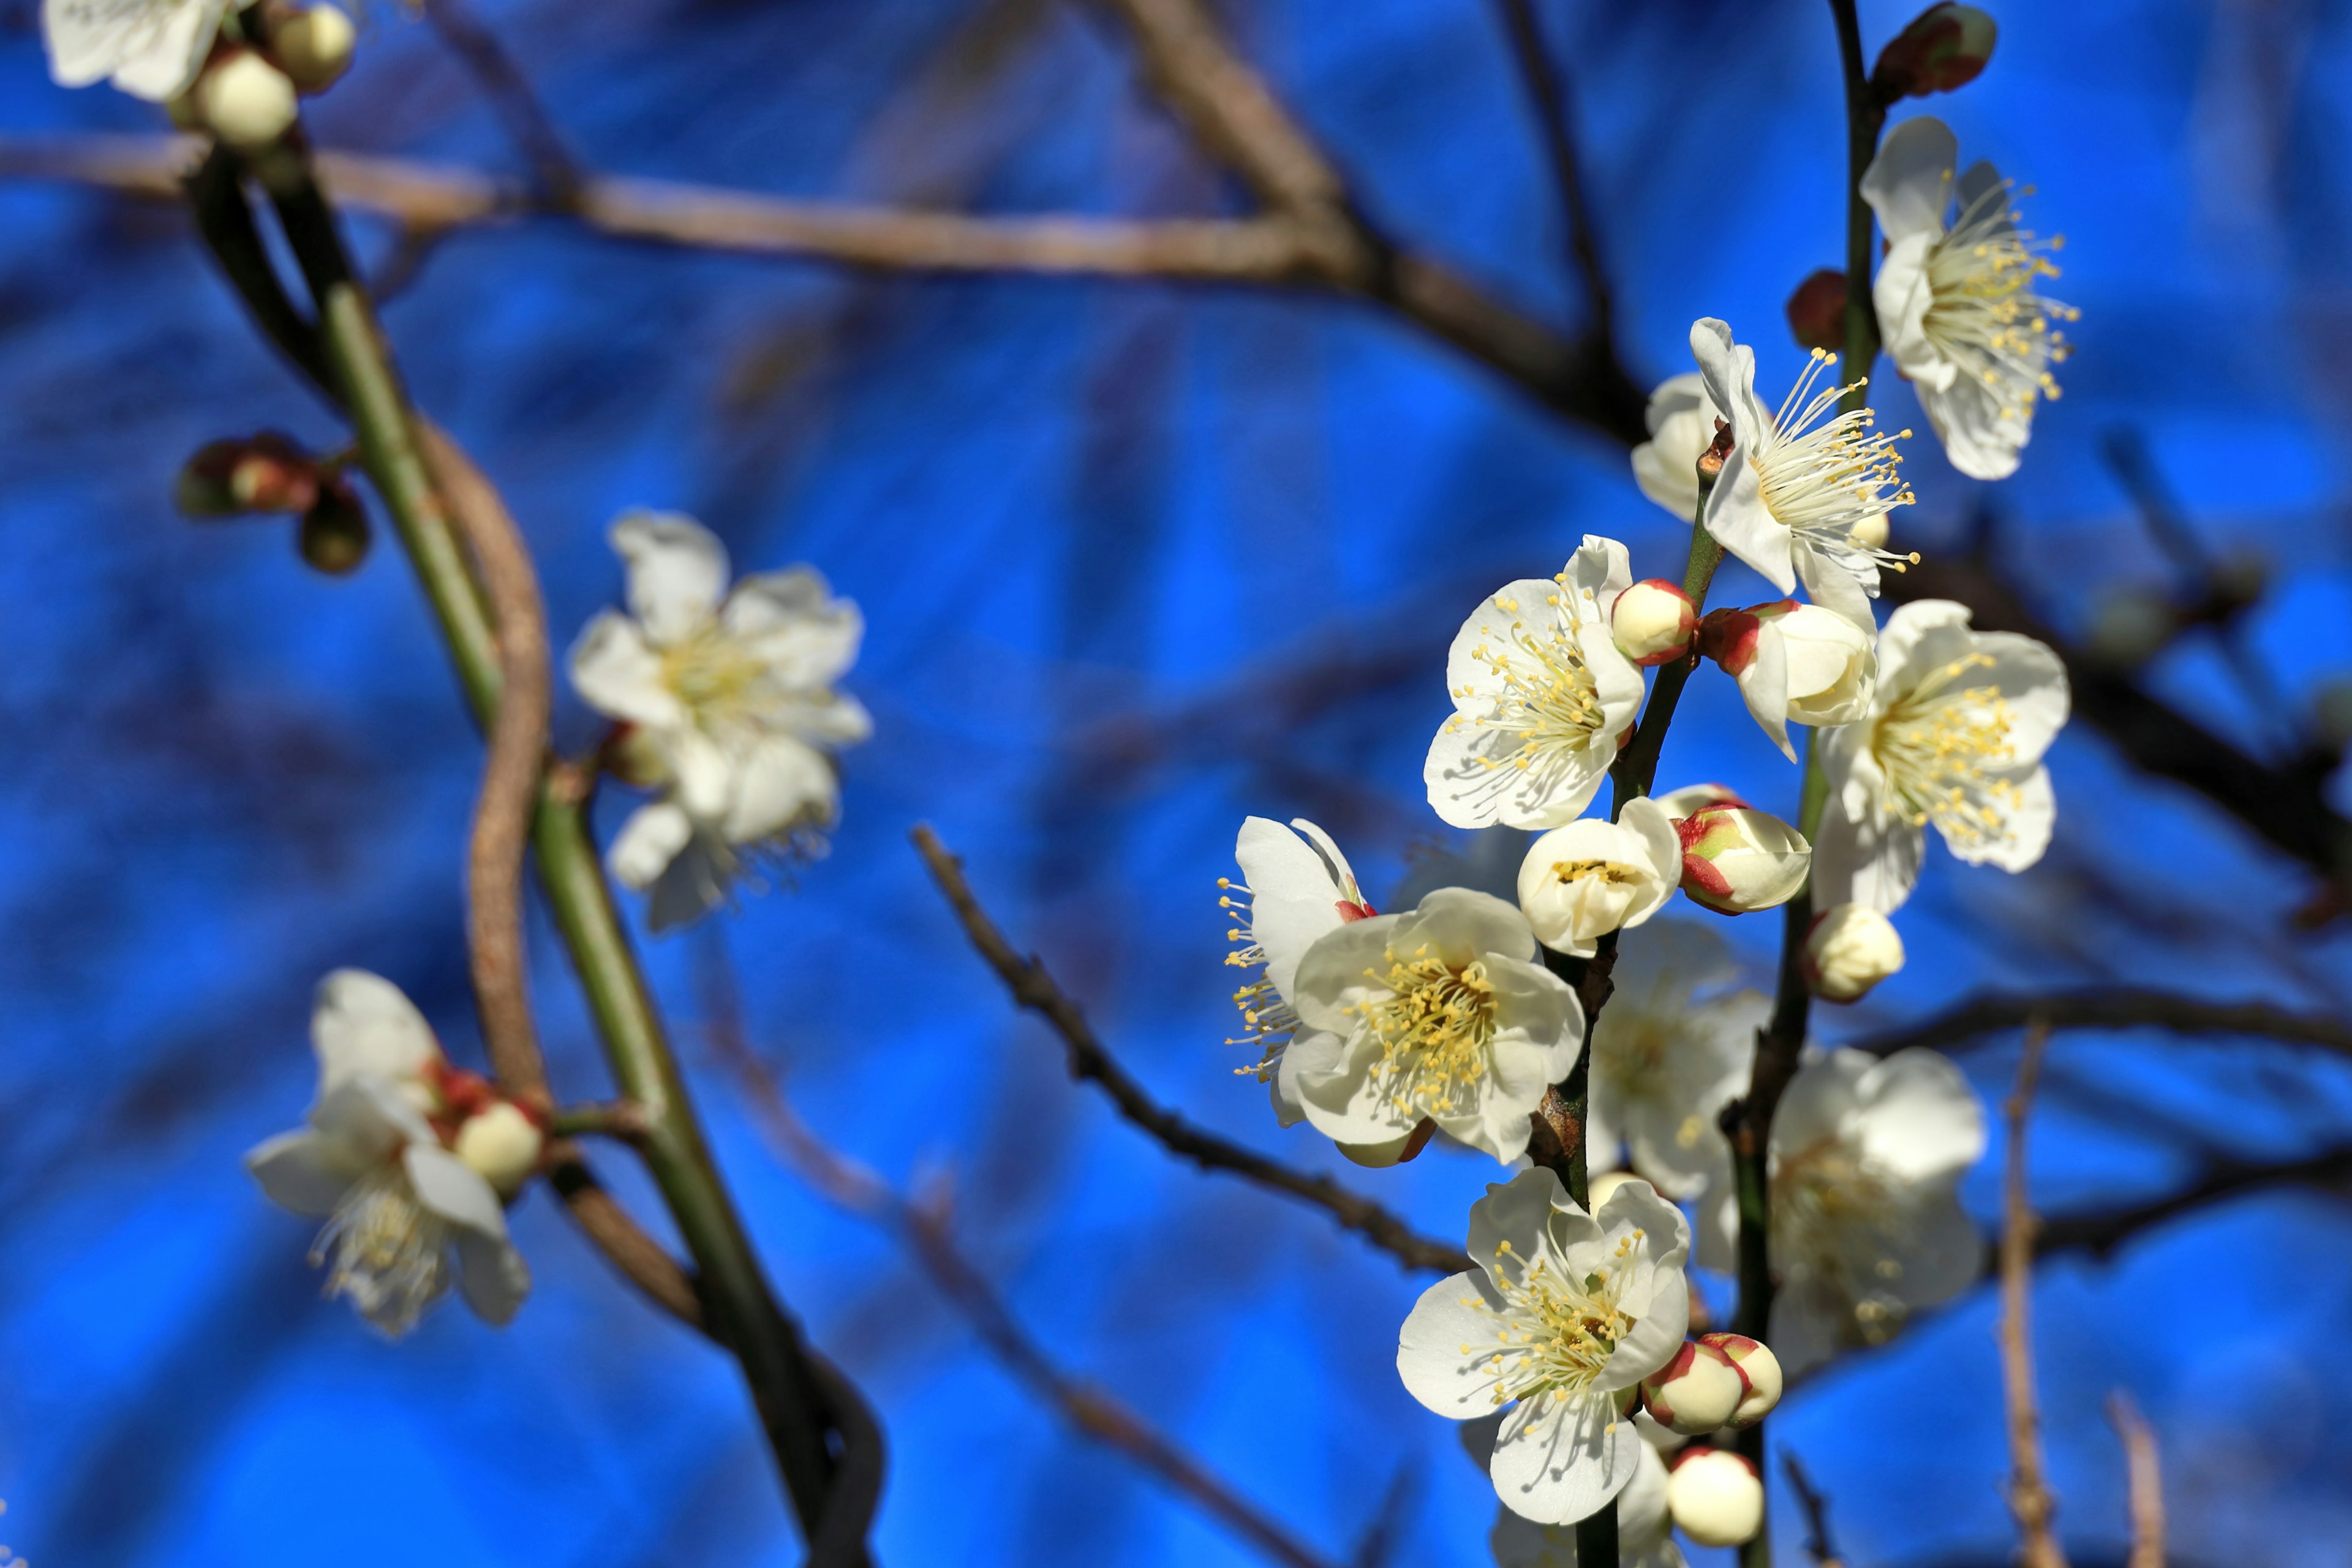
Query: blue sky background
1093	526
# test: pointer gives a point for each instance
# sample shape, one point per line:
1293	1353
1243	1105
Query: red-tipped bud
1697	1391
1758	1368
1817	311
267	472
1728	637
334	537
1944	47
1715	1497
1738	861
1652	622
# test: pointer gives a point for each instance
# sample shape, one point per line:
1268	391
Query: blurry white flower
1696	1391
1441	1014
1957	303
1954	737
1670	1050
1715	1497
1759	1366
376	1163
732	693
149	48
1592	877
1681	427
1849	948
1645	1532
1298	886
1864	1160
1738	859
1799	484
1542	698
1795	663
1565	1313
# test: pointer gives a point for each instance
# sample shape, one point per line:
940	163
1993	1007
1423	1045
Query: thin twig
1547	85
2112	1008
928	1232
1089	1061
2029	1487
2145	1474
2102	1232
502	80
1818	1544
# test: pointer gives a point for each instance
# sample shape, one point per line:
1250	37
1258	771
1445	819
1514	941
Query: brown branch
1090	1061
2100	1233
2118	1008
1548	86
1819	1545
526	119
2029	1487
928	1232
2146	1473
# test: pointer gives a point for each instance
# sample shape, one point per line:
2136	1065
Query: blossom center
1550	696
1824	477
1838	1216
1983	314
720	682
1553	1335
391	1254
1940	746
1435	1027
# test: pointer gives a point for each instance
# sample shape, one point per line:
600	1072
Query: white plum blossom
1956	297
384	1162
1799	494
1542	698
1562	1317
1645	1537
1954	737
1440	1016
1795	664
1681	418
1296	886
731	694
1592	877
1863	1163
1671	1049
148	48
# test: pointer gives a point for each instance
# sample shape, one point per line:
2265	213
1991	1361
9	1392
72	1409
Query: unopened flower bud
1697	1391
267	472
1715	1497
1736	859
333	536
1870	534
1944	47
1817	311
1580	882
1848	950
313	48
245	101
1759	1366
1654	622
501	1144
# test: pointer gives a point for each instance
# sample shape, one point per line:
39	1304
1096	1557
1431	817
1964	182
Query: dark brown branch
928	1232
1818	1544
2028	1487
518	108
2101	1232
1090	1061
2119	1008
1547	88
2146	1473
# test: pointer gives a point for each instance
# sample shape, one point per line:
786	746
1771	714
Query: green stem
1865	117
742	1311
1637	767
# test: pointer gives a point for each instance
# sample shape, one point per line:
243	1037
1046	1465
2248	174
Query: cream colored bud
313	48
1848	950
501	1146
1759	1366
246	101
1603	1184
1736	859
1870	531
1697	1391
1715	1497
1652	622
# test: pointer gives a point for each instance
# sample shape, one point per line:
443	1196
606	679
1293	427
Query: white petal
1942	1252
1293	897
707	778
647	842
2033	689
454	1190
367	1116
1599	571
1874	860
1822	1101
677	569
1843	585
1565	1462
363	1023
492	1275
1740	523
618	675
1331	978
782	784
1916	1117
1909	183
2027	818
806	638
301	1172
696	879
1764	686
1982	436
1520	1212
1901	294
1457	1310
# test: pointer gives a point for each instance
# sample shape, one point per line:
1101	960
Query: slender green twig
1865	117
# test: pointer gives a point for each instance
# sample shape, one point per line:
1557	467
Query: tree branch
1089	1061
2029	1487
526	119
1818	1544
927	1232
1547	88
2101	1232
2146	1473
2111	1008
